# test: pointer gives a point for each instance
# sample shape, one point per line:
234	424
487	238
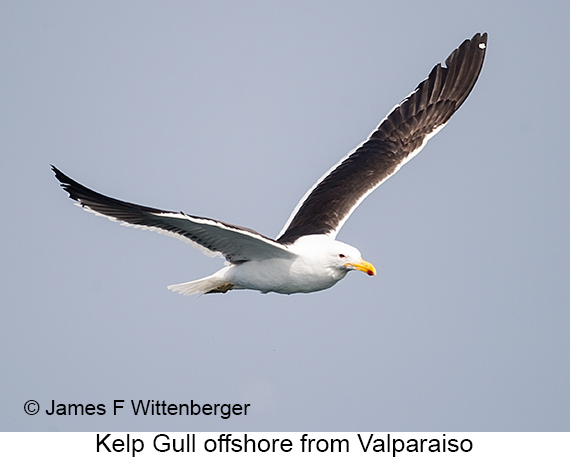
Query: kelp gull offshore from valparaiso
305	257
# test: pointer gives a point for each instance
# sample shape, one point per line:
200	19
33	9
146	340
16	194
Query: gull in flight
305	256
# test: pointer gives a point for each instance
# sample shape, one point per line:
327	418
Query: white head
344	256
333	254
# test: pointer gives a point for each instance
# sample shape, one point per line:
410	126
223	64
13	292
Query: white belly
283	276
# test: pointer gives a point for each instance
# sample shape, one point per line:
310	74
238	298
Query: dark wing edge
399	137
236	244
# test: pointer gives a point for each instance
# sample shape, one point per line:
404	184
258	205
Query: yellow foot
222	289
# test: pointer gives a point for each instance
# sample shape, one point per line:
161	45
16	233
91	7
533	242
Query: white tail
207	285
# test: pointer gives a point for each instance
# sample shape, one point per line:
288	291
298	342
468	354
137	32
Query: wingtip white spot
482	45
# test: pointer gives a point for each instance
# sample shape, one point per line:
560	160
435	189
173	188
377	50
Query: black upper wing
398	138
236	243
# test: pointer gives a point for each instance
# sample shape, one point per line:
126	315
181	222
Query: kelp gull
305	257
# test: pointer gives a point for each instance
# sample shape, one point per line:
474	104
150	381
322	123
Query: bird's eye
341	256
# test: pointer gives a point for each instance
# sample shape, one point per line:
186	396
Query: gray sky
232	110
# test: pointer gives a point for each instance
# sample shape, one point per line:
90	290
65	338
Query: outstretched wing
236	244
398	138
